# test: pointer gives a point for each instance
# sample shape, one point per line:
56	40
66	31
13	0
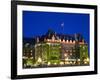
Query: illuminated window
65	54
70	53
70	50
31	51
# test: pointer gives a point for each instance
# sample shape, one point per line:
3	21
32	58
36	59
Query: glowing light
74	41
83	47
63	40
66	59
48	43
74	62
55	63
31	54
67	41
61	63
65	55
49	63
87	59
70	41
70	53
59	40
78	59
85	62
31	50
48	40
70	62
67	62
39	60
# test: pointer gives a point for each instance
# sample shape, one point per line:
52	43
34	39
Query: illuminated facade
58	50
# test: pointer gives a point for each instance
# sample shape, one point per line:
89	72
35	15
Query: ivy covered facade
55	49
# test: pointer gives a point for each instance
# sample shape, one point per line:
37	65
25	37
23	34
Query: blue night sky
38	23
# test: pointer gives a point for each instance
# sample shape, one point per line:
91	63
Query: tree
83	53
54	54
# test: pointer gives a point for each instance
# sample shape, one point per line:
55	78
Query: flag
62	24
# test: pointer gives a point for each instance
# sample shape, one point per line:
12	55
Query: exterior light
78	59
31	51
67	62
49	63
48	43
63	40
67	41
61	63
74	62
85	62
59	40
31	54
66	59
48	40
24	57
70	62
74	41
55	63
87	59
70	41
39	60
83	47
65	55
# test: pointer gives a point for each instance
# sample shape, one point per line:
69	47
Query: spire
76	37
37	39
